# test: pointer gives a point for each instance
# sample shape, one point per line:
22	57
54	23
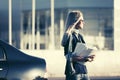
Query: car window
2	54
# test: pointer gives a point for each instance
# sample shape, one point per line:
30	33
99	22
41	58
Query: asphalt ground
92	78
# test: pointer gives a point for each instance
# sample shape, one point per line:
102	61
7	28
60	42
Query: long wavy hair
73	18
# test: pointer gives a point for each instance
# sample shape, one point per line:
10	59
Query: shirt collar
76	31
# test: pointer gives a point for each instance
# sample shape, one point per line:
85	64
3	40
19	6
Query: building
37	26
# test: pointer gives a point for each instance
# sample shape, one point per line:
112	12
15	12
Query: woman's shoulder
80	35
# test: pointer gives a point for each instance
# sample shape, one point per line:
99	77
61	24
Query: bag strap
70	41
69	58
70	44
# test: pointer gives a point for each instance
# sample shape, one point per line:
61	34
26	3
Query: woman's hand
77	58
91	58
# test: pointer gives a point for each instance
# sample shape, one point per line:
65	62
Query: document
83	50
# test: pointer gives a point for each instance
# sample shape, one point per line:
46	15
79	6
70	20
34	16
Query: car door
3	63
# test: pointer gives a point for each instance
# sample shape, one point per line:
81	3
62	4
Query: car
17	65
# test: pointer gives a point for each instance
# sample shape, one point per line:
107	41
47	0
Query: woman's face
80	24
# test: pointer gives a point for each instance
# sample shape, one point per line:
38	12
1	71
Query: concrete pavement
92	78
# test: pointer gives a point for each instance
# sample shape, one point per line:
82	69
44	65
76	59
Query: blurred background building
31	22
37	27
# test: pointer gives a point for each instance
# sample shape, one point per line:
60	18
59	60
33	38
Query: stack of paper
83	50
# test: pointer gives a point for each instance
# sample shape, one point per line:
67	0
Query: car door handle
1	69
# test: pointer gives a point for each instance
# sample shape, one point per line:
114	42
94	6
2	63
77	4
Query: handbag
69	70
69	65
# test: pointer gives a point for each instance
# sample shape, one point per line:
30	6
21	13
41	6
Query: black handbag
69	70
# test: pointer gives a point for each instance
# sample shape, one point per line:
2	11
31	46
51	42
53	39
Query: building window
99	29
42	29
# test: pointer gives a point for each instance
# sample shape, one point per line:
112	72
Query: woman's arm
83	59
79	58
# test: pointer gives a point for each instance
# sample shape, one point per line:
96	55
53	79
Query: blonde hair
73	18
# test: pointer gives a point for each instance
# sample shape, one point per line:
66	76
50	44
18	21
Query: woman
75	67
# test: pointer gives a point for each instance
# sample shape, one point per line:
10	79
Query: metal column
33	24
10	22
61	26
52	25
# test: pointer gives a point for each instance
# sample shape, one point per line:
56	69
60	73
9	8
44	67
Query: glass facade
98	30
42	30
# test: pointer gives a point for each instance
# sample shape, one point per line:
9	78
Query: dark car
16	65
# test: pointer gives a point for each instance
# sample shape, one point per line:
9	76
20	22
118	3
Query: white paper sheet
82	49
